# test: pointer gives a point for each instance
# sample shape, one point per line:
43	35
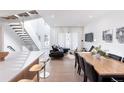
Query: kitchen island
17	64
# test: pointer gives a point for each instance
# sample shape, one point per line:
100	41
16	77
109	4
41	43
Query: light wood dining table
105	67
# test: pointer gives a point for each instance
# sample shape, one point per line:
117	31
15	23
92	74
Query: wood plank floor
62	70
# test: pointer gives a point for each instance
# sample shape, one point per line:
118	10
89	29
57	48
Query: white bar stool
44	74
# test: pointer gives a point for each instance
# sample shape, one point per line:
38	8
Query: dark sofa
58	51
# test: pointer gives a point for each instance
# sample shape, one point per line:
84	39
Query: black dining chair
123	60
92	47
118	58
77	62
76	59
82	66
90	72
92	75
115	57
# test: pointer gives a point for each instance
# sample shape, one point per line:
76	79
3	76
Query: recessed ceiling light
90	16
52	16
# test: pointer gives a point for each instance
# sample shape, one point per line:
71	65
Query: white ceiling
70	17
66	17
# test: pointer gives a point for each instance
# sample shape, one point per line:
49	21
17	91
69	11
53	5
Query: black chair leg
79	70
75	64
85	78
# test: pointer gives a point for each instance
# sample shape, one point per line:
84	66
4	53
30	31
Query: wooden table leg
99	78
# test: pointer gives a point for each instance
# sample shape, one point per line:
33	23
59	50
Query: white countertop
16	62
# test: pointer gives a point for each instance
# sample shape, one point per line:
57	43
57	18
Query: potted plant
97	51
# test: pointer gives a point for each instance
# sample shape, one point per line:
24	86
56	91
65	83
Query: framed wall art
120	35
107	36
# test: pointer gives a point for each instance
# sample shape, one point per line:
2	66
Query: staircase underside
24	36
16	22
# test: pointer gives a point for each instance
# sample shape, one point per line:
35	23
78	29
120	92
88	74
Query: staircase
26	34
18	28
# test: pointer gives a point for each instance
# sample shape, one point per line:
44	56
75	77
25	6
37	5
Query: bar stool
25	80
44	74
36	68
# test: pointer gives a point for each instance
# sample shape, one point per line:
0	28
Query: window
68	39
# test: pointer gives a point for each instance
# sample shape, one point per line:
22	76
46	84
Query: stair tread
14	25
17	28
23	35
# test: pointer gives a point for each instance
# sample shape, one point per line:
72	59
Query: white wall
31	31
112	21
55	36
44	29
37	28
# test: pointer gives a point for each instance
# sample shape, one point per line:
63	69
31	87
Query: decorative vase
98	56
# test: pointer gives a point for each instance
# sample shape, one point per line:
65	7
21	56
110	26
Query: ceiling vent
33	12
25	14
10	17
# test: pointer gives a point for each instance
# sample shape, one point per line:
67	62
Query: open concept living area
61	45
